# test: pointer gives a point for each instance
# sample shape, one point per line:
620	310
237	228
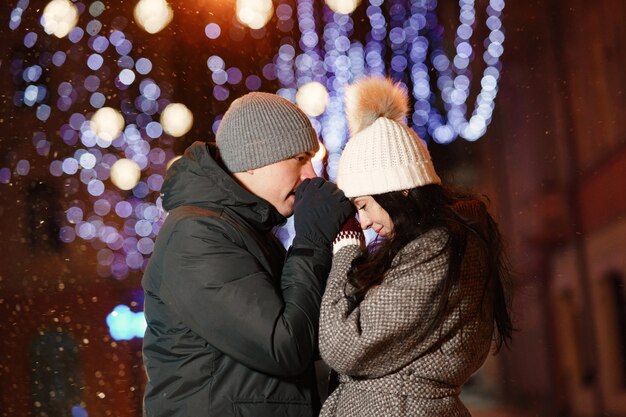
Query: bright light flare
153	15
176	119
125	174
254	13
59	18
312	98
174	159
320	154
343	6
107	123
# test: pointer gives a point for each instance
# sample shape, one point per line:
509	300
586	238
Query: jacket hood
197	179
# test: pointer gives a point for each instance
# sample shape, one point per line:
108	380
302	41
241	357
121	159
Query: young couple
234	321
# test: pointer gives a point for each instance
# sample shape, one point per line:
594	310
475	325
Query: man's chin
287	208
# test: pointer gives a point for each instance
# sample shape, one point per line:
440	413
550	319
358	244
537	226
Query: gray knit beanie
260	129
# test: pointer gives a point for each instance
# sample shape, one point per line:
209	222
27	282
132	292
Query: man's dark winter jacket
232	322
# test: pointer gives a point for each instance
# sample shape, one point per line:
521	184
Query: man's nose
307	171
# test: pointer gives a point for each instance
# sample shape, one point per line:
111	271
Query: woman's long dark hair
426	208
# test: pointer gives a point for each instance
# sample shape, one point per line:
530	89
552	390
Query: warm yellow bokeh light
153	15
254	13
343	6
174	159
320	154
312	98
125	174
107	123
59	18
176	119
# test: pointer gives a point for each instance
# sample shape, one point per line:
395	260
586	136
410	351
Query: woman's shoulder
427	246
434	239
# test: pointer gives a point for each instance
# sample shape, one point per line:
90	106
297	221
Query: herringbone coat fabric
387	366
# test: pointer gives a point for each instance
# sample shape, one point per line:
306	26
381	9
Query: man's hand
320	210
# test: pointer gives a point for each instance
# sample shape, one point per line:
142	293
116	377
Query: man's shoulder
215	223
196	220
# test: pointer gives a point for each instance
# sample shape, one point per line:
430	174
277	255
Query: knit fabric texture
259	129
385	156
387	364
350	234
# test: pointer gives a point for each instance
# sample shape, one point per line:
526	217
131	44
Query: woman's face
371	214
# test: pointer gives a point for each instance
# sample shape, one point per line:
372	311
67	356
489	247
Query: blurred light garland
114	143
122	225
415	40
454	76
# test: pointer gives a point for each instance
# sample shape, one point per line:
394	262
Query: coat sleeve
386	331
220	291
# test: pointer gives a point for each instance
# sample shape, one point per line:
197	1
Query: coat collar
198	179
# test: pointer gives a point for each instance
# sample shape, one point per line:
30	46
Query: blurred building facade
554	164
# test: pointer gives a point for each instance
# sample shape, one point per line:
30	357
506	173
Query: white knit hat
383	153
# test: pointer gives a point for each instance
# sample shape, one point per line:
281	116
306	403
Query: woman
406	323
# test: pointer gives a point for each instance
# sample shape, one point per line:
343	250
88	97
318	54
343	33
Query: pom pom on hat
383	153
374	97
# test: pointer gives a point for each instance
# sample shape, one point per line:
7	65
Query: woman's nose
365	222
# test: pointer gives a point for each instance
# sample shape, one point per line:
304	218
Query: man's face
277	183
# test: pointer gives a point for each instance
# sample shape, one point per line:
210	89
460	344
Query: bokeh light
176	119
343	6
212	31
153	15
107	123
59	18
124	324
319	54
312	98
125	174
254	13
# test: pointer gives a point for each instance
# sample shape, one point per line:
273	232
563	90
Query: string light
122	220
411	34
454	76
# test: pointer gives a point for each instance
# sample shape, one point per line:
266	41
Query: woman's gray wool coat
386	366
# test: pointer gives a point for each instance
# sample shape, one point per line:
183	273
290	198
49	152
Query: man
232	320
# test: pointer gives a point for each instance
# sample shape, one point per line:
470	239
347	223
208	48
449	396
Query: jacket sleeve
386	331
221	292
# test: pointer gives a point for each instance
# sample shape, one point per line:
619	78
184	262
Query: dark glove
320	210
